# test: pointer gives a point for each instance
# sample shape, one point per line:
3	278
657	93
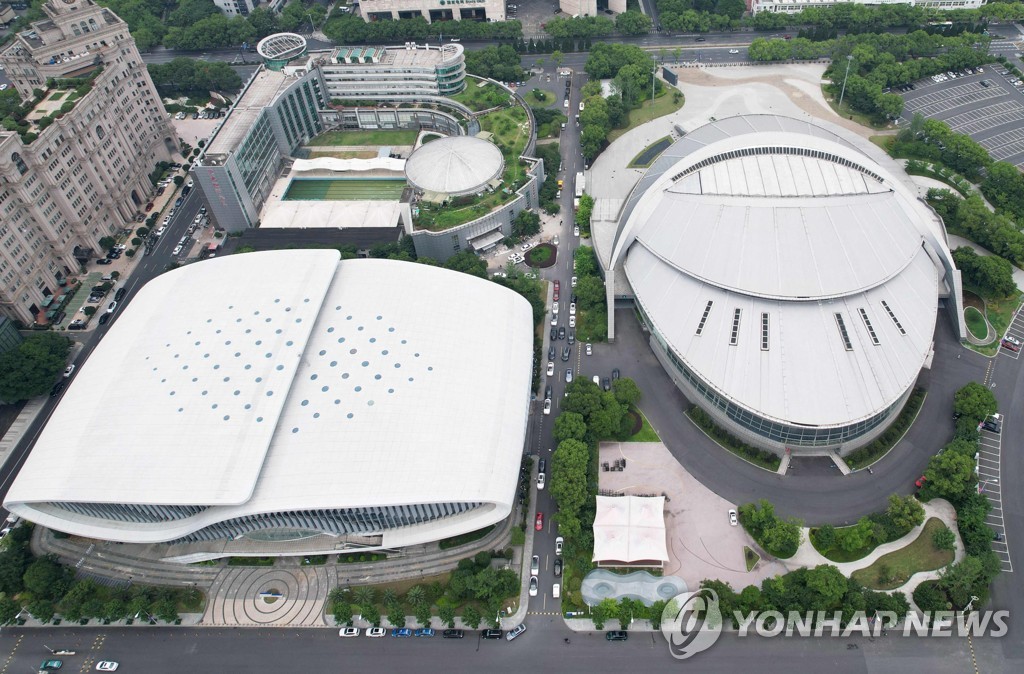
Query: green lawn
750	557
975	322
646	433
663	105
895	568
837	554
538	256
646	156
251	561
478	98
366	137
540	97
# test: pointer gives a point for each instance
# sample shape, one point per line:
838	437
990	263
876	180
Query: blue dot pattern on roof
324	361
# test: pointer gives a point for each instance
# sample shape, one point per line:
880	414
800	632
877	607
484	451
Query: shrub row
760	457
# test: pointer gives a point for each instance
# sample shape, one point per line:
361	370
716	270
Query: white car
554	320
554	308
376	632
581	106
348	632
558	546
572	321
534	586
572	308
556	591
547	406
160	231
565	103
112	307
573	281
540	480
1012	340
576	230
568	376
556	240
734	51
177	249
551	368
732	517
106	666
68	370
590	350
526	246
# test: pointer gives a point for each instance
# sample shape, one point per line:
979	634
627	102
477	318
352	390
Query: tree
975	402
905	512
633	23
856	537
626	391
828	582
591	139
471	617
422	614
825	536
41	609
446	612
950	475
107	242
781	538
89	311
192	77
944	539
45	578
525	224
568	475
569	425
590	292
9	610
396	614
416	595
467	262
263	22
13	560
991	274
342	612
365	596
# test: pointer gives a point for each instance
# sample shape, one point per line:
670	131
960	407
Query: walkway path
807	556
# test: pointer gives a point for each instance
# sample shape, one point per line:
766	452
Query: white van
597	380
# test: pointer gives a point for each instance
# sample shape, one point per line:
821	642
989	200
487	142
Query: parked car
491	634
534	565
516	631
590	349
104	319
615	374
424	632
401	632
104	260
119	295
112	307
106	666
556	591
547	391
551	356
534	586
558	546
540	480
538	524
69	370
1012	340
732	517
376	632
568	376
547	406
348	632
920	481
1010	346
57	388
606	384
558	567
453	634
616	635
551	368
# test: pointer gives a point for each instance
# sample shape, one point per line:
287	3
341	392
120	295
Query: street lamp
849	60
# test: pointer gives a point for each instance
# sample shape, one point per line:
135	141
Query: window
764	332
735	327
843	333
704	318
895	320
100	133
19	163
867	324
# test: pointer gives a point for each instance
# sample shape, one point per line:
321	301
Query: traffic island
542	256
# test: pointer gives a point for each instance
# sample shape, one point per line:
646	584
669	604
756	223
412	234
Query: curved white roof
456	165
285	381
281	46
789	225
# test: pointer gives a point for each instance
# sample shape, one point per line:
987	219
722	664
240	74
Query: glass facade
276	525
793	435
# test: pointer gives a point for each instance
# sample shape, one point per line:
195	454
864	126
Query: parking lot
988	106
989	446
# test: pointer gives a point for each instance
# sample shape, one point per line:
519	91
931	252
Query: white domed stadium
455	166
790	281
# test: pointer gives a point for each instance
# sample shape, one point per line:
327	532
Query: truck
580	184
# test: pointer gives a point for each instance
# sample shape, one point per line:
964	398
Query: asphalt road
247	651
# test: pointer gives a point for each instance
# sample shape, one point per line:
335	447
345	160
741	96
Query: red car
149	206
920	481
557	286
539	524
1010	345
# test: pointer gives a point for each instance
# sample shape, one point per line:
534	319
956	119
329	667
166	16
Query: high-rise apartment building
76	168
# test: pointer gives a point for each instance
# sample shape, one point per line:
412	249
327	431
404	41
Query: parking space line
989	484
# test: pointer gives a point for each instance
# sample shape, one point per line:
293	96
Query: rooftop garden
477	97
31	118
510	129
